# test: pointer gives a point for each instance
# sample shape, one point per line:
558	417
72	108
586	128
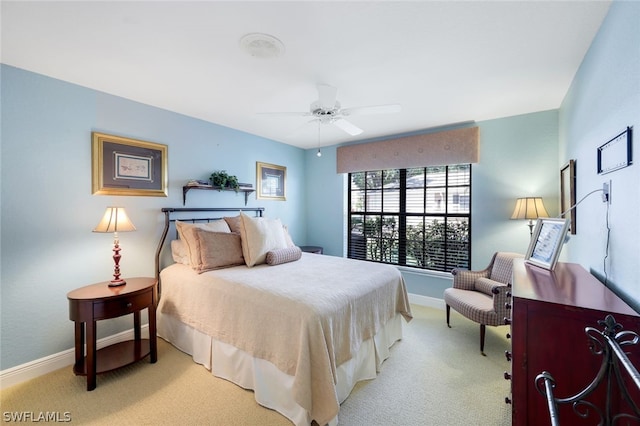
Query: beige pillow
186	234
259	236
217	250
234	223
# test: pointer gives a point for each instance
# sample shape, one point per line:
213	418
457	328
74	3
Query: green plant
220	179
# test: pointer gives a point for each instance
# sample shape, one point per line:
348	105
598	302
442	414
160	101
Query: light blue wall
603	100
325	205
518	158
48	212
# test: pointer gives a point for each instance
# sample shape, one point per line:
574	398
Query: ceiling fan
327	110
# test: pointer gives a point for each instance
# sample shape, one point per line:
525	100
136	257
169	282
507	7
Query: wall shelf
186	189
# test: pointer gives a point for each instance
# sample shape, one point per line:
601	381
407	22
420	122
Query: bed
299	329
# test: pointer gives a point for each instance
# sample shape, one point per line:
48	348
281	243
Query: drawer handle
507	321
507	306
507	400
508	335
129	304
507	376
507	355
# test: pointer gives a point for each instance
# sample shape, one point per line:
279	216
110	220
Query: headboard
194	215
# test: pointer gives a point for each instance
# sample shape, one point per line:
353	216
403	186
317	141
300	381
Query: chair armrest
498	291
465	280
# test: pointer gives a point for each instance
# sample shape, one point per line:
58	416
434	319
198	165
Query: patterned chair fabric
481	296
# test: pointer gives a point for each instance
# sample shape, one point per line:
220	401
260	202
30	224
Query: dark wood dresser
550	311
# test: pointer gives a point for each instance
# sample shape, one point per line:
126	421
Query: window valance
459	146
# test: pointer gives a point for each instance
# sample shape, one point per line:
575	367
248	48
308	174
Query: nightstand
99	302
311	249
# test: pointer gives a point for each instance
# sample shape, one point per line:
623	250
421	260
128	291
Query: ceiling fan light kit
327	110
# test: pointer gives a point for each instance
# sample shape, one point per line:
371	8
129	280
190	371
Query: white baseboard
31	370
429	302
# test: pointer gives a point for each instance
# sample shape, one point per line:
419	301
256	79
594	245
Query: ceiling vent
261	45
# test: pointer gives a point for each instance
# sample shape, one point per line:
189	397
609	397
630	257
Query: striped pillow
284	255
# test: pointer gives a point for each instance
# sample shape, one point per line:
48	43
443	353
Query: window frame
403	214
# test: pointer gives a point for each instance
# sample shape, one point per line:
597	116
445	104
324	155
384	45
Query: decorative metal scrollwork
607	343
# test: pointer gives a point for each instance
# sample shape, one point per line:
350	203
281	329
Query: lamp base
117	283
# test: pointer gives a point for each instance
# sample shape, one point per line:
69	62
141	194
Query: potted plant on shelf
221	180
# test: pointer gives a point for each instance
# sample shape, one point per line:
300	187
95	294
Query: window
417	217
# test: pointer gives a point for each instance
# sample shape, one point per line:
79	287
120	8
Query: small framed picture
271	181
546	242
568	193
123	166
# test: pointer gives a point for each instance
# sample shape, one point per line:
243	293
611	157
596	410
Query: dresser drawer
122	306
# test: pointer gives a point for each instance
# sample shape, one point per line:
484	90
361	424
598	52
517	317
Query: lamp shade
115	219
529	208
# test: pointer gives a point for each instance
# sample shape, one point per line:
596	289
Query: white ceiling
444	62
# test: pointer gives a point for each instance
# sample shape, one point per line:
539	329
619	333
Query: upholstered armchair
482	296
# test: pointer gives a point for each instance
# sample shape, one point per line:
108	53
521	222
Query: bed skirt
273	388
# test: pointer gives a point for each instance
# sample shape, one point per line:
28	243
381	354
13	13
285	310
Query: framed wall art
568	194
123	166
546	242
271	181
616	153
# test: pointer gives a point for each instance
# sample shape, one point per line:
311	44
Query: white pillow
179	252
287	237
259	236
187	234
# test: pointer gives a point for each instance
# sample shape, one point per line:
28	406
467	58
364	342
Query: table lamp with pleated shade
115	220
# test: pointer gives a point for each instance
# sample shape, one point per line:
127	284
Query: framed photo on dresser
546	242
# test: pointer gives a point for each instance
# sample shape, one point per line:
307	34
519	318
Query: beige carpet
435	376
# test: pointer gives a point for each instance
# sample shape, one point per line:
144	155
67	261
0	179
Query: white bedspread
306	317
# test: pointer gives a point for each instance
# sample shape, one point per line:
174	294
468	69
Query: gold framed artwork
568	194
124	166
271	181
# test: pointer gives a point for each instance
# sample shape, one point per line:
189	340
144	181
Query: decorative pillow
179	252
186	234
289	254
287	237
234	223
260	235
217	250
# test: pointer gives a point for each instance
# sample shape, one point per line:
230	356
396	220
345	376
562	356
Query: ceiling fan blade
370	110
286	114
327	96
346	126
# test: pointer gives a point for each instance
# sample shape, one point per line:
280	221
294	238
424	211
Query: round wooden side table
95	302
